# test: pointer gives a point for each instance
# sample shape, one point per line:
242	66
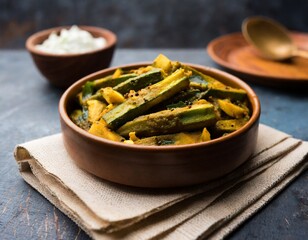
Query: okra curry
165	103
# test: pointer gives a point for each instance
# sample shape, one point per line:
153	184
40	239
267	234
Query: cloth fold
110	211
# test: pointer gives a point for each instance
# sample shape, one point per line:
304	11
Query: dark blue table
28	110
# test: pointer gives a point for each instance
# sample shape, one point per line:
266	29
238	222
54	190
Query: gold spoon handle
301	53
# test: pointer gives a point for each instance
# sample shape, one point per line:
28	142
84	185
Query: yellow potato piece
231	109
117	73
111	96
205	135
186	138
133	137
95	109
99	128
161	61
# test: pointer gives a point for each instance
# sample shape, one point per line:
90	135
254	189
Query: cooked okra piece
171	139
229	125
227	92
146	98
139	82
109	81
80	118
187	118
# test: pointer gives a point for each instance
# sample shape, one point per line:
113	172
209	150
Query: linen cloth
105	210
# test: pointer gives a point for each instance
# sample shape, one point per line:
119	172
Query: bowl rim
253	98
111	40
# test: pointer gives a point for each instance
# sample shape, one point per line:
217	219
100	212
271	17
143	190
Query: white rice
73	40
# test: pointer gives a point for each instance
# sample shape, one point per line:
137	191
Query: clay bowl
65	69
159	166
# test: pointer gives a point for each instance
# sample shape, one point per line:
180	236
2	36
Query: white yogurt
73	40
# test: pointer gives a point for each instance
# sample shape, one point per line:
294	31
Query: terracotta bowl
159	166
65	69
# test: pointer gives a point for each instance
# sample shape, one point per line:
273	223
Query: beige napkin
110	211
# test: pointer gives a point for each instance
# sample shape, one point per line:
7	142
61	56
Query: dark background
146	23
24	213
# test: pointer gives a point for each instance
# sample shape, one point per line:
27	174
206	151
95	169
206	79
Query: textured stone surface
146	24
28	110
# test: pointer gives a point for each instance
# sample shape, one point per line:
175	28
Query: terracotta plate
235	54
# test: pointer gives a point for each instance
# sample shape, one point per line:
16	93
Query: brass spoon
270	38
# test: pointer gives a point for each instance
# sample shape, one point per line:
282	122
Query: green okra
109	81
169	121
146	98
138	82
